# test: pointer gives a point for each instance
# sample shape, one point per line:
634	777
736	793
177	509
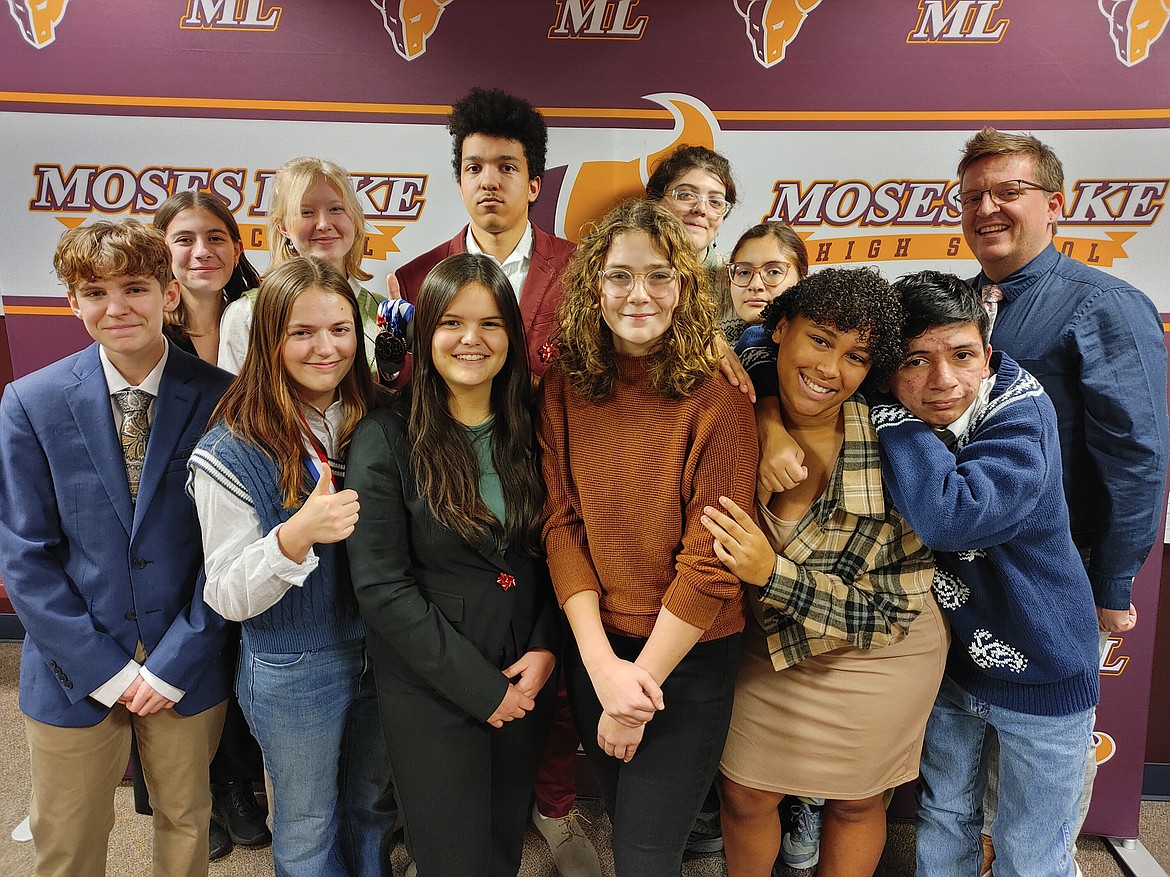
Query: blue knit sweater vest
323	611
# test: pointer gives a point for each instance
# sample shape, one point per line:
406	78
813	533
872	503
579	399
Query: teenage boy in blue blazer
100	552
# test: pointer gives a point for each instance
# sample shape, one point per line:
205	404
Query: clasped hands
530	672
630	697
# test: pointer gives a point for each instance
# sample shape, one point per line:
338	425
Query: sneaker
706	835
572	851
218	842
801	847
236	806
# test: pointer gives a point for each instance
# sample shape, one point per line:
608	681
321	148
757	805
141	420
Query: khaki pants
76	770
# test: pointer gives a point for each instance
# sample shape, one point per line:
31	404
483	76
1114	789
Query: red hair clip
505	581
546	353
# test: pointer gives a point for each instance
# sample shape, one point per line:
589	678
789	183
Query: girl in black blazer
445	559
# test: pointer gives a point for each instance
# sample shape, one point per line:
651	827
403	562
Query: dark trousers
465	787
556	780
654	799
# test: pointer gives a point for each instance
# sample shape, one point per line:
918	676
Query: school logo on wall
410	23
73	194
914	211
38	19
597	20
237	15
1104	747
1134	26
958	21
772	25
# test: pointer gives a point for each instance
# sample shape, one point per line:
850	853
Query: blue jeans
1042	770
316	719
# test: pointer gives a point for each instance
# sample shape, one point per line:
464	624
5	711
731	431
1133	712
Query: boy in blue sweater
971	458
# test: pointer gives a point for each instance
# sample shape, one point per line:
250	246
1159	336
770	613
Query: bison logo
773	24
596	186
1134	26
38	19
410	23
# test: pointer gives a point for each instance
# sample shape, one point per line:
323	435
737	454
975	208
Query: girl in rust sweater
639	433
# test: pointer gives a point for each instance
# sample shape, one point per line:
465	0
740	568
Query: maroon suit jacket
539	298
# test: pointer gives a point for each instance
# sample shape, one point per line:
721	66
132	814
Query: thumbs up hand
325	517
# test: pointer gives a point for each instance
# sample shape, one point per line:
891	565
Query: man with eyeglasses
1095	344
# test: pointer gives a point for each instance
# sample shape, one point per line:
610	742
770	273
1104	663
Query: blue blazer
89	572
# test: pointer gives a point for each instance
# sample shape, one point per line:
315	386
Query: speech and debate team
731	597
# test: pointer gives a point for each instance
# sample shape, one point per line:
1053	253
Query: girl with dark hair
449	575
267	482
845	646
639	433
767	259
695	184
208	261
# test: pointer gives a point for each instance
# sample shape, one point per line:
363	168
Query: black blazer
436	609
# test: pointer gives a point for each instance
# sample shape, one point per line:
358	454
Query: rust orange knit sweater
627	481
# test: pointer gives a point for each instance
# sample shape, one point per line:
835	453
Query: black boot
244	818
218	842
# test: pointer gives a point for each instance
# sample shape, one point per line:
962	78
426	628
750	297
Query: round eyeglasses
690	199
619	282
771	273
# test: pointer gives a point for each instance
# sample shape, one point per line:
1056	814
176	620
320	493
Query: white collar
519	255
959	428
116	382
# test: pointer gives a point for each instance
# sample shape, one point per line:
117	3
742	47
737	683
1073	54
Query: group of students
403	563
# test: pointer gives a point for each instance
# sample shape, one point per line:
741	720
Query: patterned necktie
135	431
991	295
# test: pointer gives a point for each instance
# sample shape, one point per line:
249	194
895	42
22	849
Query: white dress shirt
247	573
108	693
516	266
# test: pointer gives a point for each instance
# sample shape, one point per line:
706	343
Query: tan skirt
845	725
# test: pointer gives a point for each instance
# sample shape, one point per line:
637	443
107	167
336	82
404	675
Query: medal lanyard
316	466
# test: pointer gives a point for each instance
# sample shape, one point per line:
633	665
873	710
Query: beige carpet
130	841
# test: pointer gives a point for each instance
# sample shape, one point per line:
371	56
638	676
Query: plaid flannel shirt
854	573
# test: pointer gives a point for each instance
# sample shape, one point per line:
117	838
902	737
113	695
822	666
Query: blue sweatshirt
1024	629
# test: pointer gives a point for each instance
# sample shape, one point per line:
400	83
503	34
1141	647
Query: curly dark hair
496	113
683	357
850	300
686	158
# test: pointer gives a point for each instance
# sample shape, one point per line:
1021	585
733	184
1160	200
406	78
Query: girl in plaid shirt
845	646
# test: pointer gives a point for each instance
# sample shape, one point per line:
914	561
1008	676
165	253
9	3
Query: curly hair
683	356
686	158
496	113
850	300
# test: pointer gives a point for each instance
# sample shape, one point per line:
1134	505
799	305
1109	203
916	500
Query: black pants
654	799
465	787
